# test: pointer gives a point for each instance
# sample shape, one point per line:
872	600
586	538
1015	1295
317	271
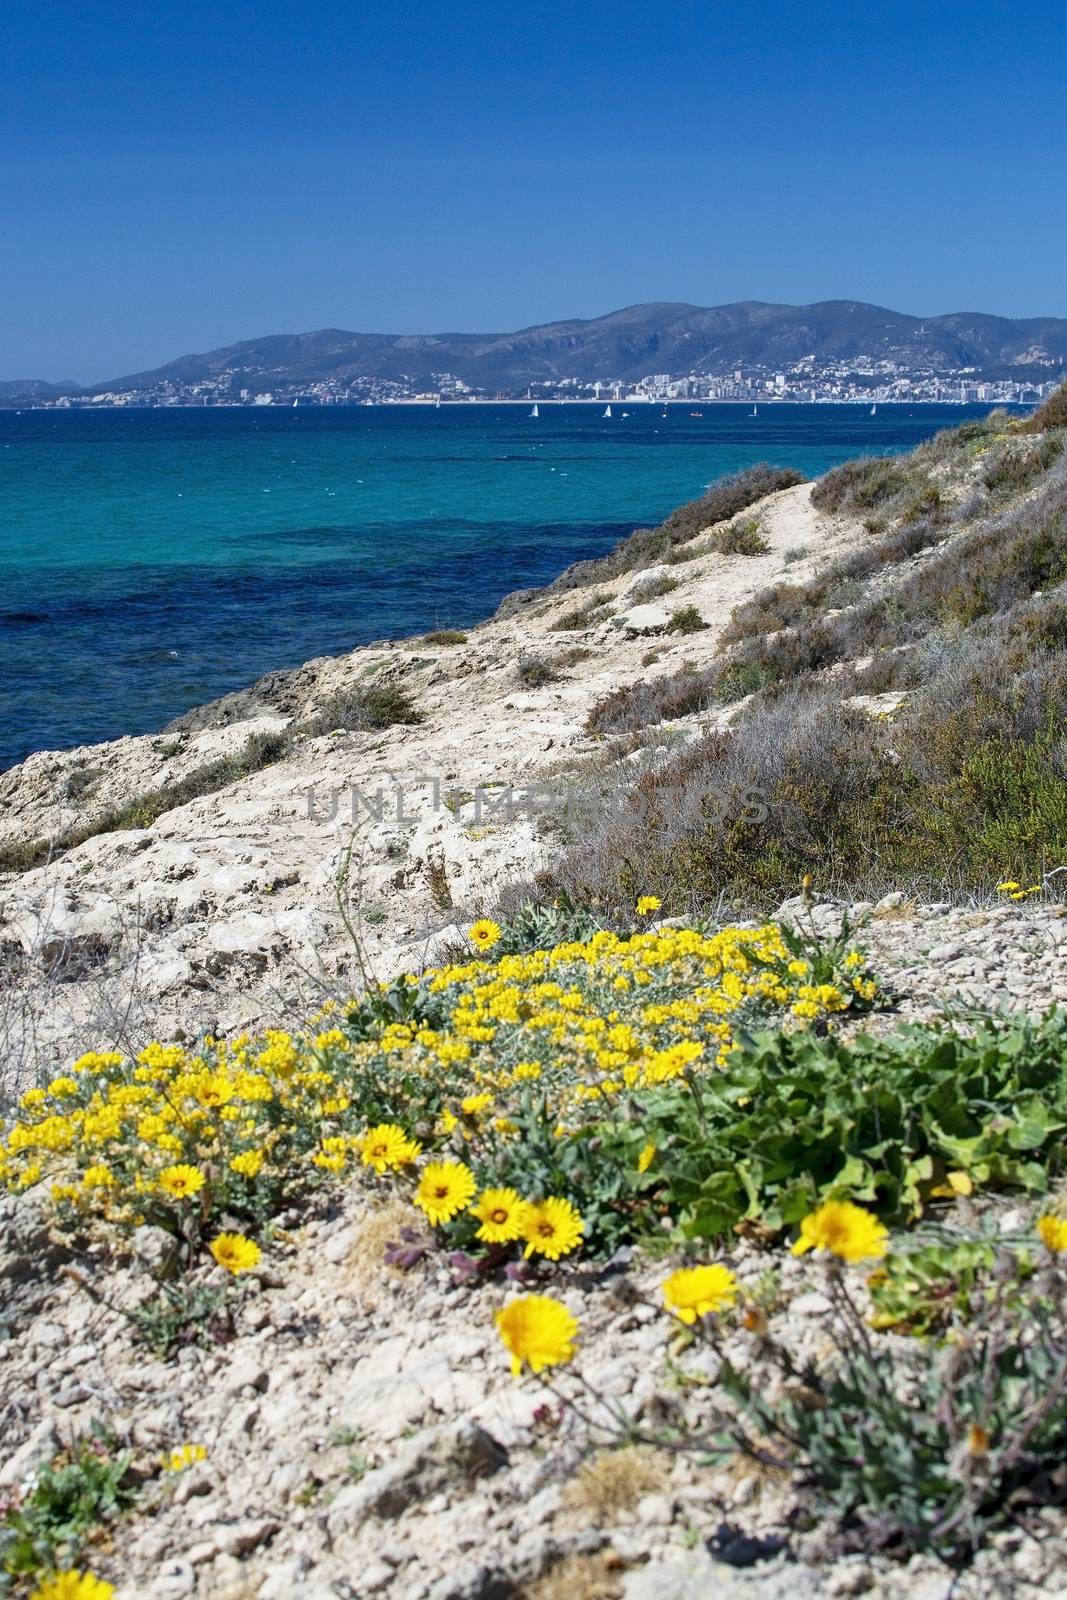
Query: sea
151	560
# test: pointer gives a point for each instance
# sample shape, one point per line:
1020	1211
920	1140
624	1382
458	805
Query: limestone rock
434	1460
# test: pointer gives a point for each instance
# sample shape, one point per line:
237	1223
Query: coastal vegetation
445	636
645	546
957	779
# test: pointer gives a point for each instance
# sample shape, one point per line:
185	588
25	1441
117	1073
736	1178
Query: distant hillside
628	344
633	343
16	389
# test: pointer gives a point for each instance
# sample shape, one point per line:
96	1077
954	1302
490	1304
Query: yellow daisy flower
500	1212
694	1292
236	1253
484	934
1053	1231
180	1182
445	1189
71	1585
387	1146
845	1230
551	1228
538	1330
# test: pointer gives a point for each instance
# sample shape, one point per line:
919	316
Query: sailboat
607	411
873	410
755	411
535	412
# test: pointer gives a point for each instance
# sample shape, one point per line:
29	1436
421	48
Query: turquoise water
151	560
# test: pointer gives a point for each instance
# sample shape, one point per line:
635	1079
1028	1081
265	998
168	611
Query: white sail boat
755	411
535	412
873	410
607	411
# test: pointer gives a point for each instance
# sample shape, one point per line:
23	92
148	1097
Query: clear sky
176	176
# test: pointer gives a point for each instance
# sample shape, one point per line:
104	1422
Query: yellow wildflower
844	1230
694	1292
484	934
445	1189
183	1456
387	1146
646	1158
551	1227
71	1585
1053	1231
647	904
538	1330
332	1156
98	1177
500	1212
180	1182
236	1253
248	1164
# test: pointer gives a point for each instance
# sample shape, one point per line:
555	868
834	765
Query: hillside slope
198	877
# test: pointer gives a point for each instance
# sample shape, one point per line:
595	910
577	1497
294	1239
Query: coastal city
808	382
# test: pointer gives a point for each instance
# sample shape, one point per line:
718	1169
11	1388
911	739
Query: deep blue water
151	560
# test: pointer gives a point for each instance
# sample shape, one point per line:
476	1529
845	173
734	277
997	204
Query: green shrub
573	654
924	1450
1053	414
964	786
534	672
638	705
595	609
81	1490
182	1313
647	546
743	537
444	636
1014	467
860	485
926	501
795	1119
378	705
922	1285
686	620
651	589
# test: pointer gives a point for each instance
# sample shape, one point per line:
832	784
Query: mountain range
628	344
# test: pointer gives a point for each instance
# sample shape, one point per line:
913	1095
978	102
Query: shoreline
1024	408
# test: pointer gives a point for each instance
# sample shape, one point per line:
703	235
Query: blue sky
179	176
